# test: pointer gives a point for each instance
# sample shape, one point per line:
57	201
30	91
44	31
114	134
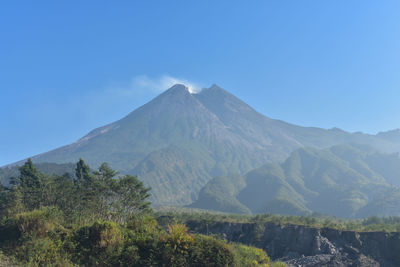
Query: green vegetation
87	197
95	219
347	181
220	194
370	224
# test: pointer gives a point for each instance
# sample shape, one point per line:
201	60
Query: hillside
179	141
345	181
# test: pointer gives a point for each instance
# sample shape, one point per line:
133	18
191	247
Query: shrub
130	256
37	237
143	224
249	256
99	244
39	222
43	252
208	251
176	245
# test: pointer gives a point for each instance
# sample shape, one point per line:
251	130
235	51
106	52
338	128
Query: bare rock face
306	246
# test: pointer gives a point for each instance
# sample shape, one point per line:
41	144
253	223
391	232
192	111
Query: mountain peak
221	101
213	89
178	92
177	88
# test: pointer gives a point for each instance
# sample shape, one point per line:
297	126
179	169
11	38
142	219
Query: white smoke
159	84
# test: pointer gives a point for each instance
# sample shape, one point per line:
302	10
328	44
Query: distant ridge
179	141
347	181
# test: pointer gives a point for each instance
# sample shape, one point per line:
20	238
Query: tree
82	173
84	190
64	194
30	185
105	189
85	198
132	197
105	173
4	200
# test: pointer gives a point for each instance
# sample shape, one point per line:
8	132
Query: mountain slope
220	194
179	141
345	181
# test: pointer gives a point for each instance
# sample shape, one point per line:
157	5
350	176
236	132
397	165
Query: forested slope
345	181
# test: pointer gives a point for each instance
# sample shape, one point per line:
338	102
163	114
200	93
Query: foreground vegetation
93	219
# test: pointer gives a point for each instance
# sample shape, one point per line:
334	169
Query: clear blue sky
67	67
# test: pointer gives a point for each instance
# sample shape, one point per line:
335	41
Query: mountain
179	141
346	181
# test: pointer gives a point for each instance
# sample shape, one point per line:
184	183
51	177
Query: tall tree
132	197
64	194
30	184
105	190
4	200
84	190
82	173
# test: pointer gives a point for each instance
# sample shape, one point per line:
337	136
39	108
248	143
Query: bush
249	256
143	245
43	252
176	247
43	241
208	251
130	256
143	224
176	244
39	222
99	244
40	237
